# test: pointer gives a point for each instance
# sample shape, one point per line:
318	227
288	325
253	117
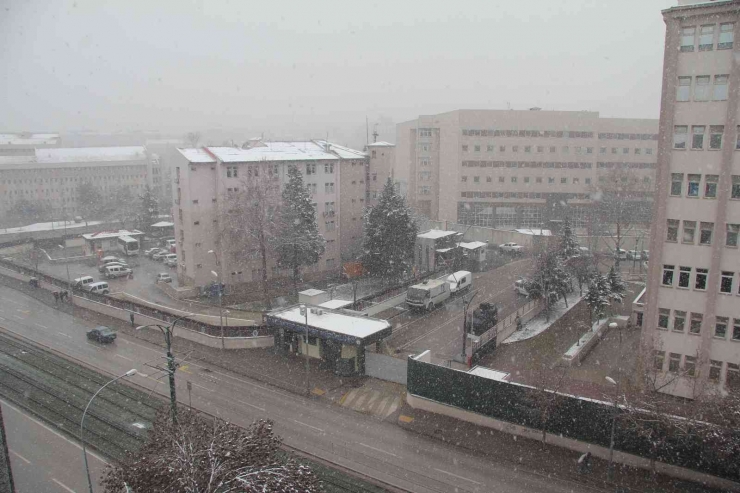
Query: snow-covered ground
540	324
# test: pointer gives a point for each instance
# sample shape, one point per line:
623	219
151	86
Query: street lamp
466	305
220	297
304	312
66	264
82	423
168	332
610	471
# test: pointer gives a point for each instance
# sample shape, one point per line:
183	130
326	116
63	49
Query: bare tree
192	138
208	455
546	397
249	218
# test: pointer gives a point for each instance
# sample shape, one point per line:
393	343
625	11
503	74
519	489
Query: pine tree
568	244
298	243
90	201
597	296
390	235
552	281
617	287
148	210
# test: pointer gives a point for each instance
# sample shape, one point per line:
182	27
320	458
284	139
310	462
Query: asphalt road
440	331
43	460
359	442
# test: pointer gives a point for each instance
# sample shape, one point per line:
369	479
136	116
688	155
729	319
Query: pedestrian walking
56	297
584	463
518	323
131	317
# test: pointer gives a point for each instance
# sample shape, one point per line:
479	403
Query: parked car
171	260
163	277
511	248
152	251
101	268
98	287
620	254
646	254
110	259
520	287
112	271
83	281
160	255
102	334
584	252
460	282
634	255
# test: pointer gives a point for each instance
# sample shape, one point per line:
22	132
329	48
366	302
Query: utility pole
466	304
304	311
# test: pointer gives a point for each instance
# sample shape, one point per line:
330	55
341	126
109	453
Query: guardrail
138	308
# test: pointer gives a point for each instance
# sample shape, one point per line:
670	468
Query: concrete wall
385	367
557	440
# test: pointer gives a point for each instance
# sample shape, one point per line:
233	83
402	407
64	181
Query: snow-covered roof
335	304
472	245
60	225
484	372
534	232
443	250
339	323
74	155
102	235
311	292
435	234
29	139
273	151
162	224
381	143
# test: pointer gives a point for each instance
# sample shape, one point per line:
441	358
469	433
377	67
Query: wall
385	367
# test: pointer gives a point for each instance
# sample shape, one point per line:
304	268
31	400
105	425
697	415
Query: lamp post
610	470
220	296
82	423
466	305
168	332
304	312
69	281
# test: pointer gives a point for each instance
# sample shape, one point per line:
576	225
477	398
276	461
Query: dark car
102	334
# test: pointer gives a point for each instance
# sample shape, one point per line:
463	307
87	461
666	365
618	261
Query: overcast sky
304	68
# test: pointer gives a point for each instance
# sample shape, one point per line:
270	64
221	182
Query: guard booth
337	339
474	255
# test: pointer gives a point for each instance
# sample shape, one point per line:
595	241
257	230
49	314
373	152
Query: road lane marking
19	318
63	485
65	335
304	424
39	325
377	449
202	387
124	357
251	405
458	477
19	456
25	312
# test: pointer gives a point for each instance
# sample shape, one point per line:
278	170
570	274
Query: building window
736	329
664	315
726	36
720	87
464	179
720	327
672	230
625	150
330	263
674	362
489	148
702	88
579	150
679	137
550	179
695	324
668	275
715	370
637	150
476	148
527	148
732	378
328	168
375	154
513	179
658	359
614	150
693	190
588	181
538	179
732	234
684	277
552	149
715	136
196	223
689	365
565	149
526	179
476	179
701	279
328	187
688	35
705	235
231	172
683	90
540	149
501	179
710	186
676	184
679	320
697	136
725	283
502	148
563	180
514	148
648	150
689	228
489	179
706	38
735	193
425	132
602	150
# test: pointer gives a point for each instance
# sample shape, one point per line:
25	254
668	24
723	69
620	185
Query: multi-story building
204	178
381	159
515	169
51	176
24	143
691	327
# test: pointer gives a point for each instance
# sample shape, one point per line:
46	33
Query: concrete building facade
204	178
24	143
691	326
516	169
381	159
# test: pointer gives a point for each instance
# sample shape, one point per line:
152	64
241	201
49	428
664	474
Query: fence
392	291
138	308
502	330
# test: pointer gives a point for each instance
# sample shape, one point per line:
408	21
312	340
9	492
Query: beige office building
381	159
204	178
517	169
691	327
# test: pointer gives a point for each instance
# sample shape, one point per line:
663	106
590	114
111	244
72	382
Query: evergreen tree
299	243
90	202
148	210
597	296
617	287
390	235
552	281
568	244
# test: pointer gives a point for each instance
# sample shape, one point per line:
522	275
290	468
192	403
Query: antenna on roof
375	133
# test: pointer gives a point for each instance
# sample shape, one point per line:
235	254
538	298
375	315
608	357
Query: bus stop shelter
337	339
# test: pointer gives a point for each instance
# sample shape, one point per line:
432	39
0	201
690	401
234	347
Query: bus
128	245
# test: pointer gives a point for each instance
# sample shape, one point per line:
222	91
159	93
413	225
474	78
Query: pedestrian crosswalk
371	401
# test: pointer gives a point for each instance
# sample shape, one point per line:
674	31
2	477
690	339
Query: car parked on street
160	255
163	277
110	259
152	251
83	281
112	271
511	248
102	334
520	287
620	254
98	287
171	260
634	255
103	267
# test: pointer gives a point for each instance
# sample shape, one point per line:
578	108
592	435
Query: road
43	460
441	330
361	443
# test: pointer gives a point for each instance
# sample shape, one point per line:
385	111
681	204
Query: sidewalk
543	459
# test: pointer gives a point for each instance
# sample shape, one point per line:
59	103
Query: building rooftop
162	224
472	245
272	151
29	139
102	235
381	143
55	225
335	304
72	155
338	323
435	234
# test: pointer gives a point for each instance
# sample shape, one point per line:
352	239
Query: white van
460	282
428	294
113	271
98	288
83	281
520	287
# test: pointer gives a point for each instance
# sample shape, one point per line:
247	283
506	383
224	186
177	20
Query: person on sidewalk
131	317
56	297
